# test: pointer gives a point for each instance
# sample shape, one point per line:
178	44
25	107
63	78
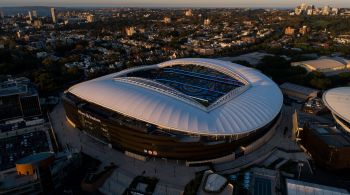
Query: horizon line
158	6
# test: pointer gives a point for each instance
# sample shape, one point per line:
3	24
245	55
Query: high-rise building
35	14
309	12
30	15
1	14
335	11
326	10
53	15
303	6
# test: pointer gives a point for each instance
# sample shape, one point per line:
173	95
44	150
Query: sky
173	3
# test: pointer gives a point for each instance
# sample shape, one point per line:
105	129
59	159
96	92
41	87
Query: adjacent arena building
187	109
329	144
338	101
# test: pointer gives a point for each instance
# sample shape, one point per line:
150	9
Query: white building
53	15
338	101
325	65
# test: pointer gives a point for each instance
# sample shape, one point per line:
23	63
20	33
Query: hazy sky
175	3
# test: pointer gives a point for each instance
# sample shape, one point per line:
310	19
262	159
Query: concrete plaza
172	175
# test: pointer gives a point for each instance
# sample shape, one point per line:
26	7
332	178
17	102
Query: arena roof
295	187
240	111
338	101
325	63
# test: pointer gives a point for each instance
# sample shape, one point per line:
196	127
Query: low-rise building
289	31
40	173
298	92
325	65
306	188
337	100
18	99
328	145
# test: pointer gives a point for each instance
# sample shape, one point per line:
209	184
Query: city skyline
172	97
179	3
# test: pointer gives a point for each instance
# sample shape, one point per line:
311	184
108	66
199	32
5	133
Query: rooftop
12	86
17	147
331	135
35	158
298	88
240	110
295	187
338	101
326	63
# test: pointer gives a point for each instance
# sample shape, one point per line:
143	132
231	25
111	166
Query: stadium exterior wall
104	125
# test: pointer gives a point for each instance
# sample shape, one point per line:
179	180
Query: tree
318	80
45	82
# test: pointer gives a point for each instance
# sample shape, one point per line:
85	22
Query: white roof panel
338	101
247	111
325	63
295	187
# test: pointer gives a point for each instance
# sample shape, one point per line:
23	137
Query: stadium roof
295	187
325	63
338	101
240	111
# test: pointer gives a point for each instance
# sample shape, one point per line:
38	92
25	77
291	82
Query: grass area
192	187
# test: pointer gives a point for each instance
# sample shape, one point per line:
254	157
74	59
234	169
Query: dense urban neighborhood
174	100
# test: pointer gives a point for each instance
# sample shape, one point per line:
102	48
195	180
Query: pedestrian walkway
172	175
279	141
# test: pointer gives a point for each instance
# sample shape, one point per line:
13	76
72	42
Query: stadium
187	109
338	102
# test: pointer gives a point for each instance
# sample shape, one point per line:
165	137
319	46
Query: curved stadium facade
338	102
188	109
